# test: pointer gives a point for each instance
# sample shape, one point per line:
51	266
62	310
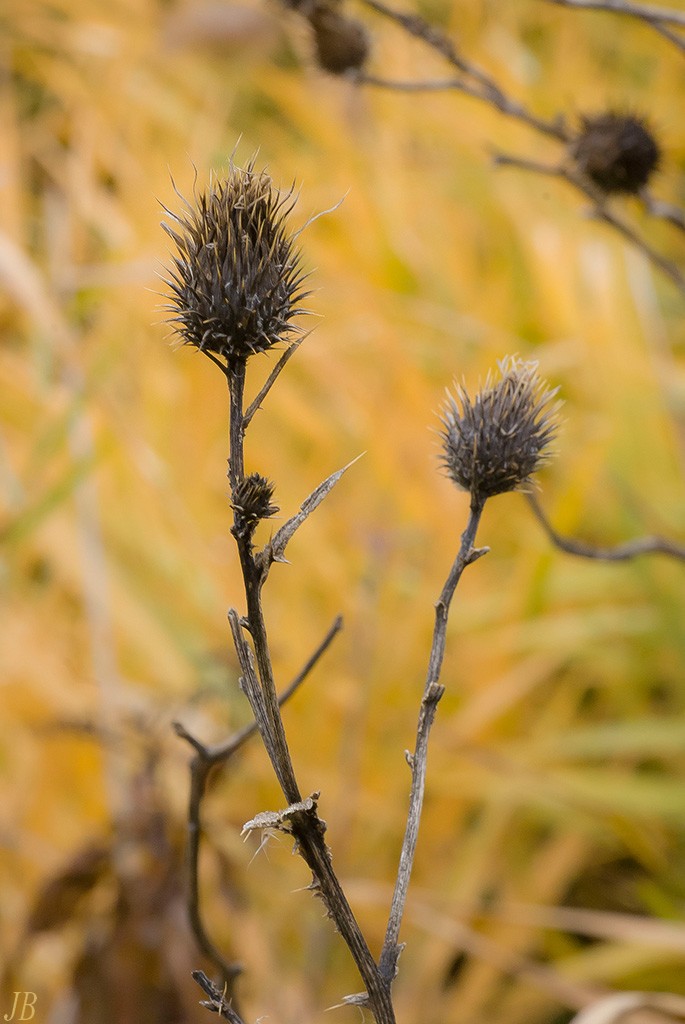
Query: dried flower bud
236	280
251	500
342	44
496	442
618	152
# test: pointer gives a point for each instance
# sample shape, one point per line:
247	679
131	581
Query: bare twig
670	34
304	823
428	85
646	12
223	751
600	210
618	553
482	86
258	683
200	767
217	999
663	211
206	757
272	378
475	82
657	18
432	694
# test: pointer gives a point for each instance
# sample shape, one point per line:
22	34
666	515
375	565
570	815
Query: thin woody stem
252	579
600	209
432	694
236	391
476	82
200	766
307	828
642	11
482	85
617	553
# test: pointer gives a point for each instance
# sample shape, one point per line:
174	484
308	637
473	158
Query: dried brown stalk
618	553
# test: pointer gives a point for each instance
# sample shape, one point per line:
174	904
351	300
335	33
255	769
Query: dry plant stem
484	87
475	82
199	770
600	209
669	33
618	553
236	390
663	211
217	999
259	687
205	759
271	380
643	11
432	694
657	18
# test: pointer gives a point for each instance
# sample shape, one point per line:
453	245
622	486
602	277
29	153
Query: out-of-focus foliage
555	819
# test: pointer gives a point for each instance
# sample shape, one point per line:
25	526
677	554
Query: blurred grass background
551	864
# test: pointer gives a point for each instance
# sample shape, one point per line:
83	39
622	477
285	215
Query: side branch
275	549
272	378
618	553
200	767
217	999
600	210
433	692
644	12
482	85
668	23
473	81
206	757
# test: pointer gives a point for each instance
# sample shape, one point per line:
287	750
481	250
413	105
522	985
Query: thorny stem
307	828
432	694
217	999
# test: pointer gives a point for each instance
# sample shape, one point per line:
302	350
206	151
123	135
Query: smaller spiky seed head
341	43
235	280
618	152
497	441
251	499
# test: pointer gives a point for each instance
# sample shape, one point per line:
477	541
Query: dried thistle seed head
496	442
618	152
251	499
342	44
235	280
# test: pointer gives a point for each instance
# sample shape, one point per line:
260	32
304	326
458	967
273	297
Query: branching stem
600	210
474	81
205	759
259	686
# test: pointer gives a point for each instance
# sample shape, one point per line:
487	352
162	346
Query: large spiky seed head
341	43
236	280
618	152
497	441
